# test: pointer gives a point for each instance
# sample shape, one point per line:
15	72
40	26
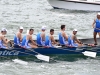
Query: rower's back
41	37
2	38
62	36
18	37
16	40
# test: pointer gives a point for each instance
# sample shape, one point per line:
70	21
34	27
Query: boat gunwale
84	2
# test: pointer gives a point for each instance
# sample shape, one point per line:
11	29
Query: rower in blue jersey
96	26
27	41
73	41
3	40
50	39
41	37
18	36
63	38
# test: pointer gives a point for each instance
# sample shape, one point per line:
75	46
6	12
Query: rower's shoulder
51	36
73	35
2	36
19	33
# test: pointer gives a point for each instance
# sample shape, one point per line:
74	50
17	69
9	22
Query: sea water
35	14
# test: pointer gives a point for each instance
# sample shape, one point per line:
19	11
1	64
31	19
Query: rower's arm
5	40
78	40
93	24
19	36
52	38
43	36
65	36
32	40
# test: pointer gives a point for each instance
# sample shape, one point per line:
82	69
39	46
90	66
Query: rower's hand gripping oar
84	52
89	53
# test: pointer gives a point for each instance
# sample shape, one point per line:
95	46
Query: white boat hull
75	5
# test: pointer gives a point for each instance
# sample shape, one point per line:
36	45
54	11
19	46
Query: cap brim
98	13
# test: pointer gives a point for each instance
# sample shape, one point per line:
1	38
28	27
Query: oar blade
43	57
90	54
20	62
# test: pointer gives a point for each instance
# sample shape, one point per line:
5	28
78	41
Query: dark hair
31	29
62	26
51	30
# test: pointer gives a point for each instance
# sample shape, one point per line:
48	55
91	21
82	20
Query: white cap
4	29
98	13
21	27
75	30
43	28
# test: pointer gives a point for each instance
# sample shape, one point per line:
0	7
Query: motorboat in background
85	5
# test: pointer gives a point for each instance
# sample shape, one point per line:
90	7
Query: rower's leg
95	34
80	45
33	46
99	34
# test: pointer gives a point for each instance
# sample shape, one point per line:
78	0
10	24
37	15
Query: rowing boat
93	5
19	51
42	52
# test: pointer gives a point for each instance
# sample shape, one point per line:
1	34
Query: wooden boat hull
75	5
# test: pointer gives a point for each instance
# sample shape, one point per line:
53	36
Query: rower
27	41
3	40
50	39
96	26
41	37
62	36
18	36
73	41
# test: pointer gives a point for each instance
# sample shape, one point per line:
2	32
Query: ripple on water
36	13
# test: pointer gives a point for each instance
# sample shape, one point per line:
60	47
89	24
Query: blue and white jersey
48	42
25	42
1	44
71	42
97	26
97	23
16	40
40	41
62	40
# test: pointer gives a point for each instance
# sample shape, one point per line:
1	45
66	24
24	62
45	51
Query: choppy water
34	14
81	67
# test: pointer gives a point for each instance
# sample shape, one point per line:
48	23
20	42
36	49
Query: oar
39	56
90	54
20	61
36	54
84	52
